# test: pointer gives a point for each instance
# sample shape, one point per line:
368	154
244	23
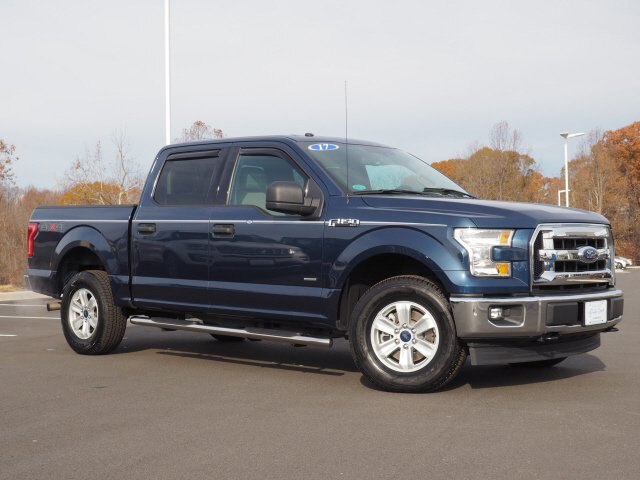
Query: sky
429	77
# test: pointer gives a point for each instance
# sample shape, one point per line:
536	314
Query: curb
21	295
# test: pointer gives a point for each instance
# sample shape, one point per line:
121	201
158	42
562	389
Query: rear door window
187	179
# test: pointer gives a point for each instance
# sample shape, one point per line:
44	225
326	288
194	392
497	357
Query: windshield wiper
391	191
447	192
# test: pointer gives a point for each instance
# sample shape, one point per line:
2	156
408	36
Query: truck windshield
380	170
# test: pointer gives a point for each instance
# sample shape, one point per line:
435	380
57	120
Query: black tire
549	362
419	299
99	326
227	338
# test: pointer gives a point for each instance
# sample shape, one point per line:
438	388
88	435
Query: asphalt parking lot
182	405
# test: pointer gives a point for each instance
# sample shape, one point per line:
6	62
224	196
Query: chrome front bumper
533	316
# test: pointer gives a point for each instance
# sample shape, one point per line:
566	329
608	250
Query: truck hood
483	213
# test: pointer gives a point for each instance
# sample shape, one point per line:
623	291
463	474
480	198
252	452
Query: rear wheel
91	322
403	337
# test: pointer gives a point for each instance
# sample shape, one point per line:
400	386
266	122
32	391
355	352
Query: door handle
223	229
146	228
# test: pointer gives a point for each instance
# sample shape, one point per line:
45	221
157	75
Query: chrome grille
564	243
574	256
573	266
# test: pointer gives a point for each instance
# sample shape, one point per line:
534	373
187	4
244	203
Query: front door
265	265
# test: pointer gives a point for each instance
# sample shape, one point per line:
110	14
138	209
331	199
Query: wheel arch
385	254
83	248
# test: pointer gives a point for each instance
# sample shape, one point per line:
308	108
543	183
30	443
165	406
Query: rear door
170	233
265	264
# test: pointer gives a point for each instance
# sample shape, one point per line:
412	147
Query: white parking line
7	335
23	305
40	318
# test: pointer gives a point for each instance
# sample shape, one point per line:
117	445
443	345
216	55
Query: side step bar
252	333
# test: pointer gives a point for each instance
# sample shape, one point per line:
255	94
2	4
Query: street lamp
167	70
566	137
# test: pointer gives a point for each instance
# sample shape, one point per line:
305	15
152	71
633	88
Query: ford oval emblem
587	254
323	147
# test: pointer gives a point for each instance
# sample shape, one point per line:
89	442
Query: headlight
479	244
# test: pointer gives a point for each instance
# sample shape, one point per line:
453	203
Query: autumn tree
198	131
551	186
623	145
605	178
597	180
91	193
500	171
454	168
91	180
16	205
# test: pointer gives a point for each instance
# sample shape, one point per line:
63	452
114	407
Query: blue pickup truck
302	239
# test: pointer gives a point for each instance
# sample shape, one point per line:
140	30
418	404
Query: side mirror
289	197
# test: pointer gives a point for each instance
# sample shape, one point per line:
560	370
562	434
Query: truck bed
104	230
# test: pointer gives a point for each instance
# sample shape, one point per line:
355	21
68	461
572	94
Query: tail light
31	236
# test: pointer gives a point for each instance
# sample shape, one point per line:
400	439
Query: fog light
495	313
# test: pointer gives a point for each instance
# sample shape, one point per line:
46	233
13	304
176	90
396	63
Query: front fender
432	250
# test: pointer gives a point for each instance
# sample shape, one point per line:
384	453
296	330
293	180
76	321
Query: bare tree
198	131
504	139
505	144
126	172
7	159
16	205
86	178
500	171
91	180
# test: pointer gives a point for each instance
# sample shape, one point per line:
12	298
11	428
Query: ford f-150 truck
302	239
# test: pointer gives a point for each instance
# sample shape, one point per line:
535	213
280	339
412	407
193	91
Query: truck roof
278	138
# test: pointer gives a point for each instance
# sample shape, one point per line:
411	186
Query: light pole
167	71
566	137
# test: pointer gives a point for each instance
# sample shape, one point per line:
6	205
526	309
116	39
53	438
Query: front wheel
403	337
91	322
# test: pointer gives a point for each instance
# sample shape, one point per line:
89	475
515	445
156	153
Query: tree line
604	177
91	178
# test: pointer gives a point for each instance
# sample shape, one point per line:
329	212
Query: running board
253	333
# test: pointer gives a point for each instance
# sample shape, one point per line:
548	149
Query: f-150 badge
344	222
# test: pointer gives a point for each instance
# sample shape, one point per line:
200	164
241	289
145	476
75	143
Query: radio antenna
346	136
346	113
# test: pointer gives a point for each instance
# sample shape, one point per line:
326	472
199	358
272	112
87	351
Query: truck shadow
332	362
336	361
478	377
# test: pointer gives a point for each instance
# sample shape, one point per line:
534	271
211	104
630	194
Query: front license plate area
595	312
